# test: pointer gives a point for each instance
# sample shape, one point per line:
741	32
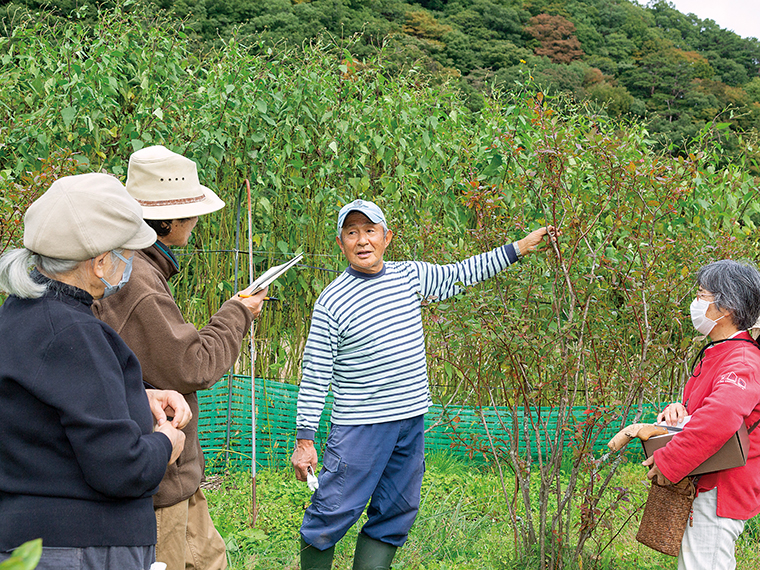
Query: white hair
14	272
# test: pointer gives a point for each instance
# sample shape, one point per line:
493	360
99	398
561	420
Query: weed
461	525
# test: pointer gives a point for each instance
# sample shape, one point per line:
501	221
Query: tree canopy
676	71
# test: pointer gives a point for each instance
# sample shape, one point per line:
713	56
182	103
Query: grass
462	524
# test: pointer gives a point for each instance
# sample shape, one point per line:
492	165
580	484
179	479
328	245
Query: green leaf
217	151
255	534
25	557
68	114
231	544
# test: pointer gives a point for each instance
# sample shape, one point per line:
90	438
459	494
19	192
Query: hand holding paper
253	303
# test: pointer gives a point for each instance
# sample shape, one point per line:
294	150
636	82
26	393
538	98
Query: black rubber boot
314	558
372	554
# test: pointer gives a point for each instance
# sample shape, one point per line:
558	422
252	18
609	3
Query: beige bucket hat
166	185
82	216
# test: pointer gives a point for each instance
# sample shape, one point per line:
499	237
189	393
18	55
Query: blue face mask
111	289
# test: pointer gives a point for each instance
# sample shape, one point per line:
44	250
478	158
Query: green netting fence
457	429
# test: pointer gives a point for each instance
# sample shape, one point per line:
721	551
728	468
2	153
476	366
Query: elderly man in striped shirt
366	341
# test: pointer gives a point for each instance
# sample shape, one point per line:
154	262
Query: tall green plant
311	128
17	196
597	323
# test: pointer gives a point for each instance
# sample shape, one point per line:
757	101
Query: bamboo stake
232	367
254	511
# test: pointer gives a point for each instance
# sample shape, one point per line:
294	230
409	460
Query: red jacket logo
732	378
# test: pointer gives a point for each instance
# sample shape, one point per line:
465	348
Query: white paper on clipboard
266	278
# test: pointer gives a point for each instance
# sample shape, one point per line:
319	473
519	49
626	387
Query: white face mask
111	289
699	316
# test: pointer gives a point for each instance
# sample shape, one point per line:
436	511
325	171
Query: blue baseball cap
369	209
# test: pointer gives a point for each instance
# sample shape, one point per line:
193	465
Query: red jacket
723	391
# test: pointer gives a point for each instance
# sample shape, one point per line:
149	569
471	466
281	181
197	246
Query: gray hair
14	272
736	288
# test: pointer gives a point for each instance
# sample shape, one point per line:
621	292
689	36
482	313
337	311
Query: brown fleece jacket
174	355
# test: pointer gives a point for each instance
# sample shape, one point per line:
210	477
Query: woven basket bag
666	515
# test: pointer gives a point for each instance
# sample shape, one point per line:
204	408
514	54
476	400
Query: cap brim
371	216
142	239
210	203
375	219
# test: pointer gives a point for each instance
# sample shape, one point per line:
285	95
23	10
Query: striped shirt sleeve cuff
513	252
305	433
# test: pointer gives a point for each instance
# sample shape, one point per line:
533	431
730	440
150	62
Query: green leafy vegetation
676	71
600	320
462	524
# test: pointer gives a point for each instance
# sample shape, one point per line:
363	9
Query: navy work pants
380	463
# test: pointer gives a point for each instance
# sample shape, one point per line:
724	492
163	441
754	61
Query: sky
740	16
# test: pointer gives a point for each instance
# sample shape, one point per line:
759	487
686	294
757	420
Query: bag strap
712	343
698	359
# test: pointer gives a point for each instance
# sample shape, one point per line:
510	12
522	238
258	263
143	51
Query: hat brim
371	216
210	203
142	239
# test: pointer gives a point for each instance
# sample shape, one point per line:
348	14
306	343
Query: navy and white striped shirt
366	339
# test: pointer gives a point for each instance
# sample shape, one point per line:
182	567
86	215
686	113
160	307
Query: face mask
699	316
111	289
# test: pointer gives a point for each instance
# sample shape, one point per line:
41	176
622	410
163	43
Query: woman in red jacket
723	392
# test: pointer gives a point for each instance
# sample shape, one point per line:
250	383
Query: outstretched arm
173	353
439	282
530	242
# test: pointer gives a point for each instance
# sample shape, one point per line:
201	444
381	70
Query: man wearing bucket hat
173	353
79	458
366	341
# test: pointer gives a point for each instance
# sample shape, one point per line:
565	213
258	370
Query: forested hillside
687	78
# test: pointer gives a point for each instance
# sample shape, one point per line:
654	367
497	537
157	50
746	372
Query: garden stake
253	358
232	368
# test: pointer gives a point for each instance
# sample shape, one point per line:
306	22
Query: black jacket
78	459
